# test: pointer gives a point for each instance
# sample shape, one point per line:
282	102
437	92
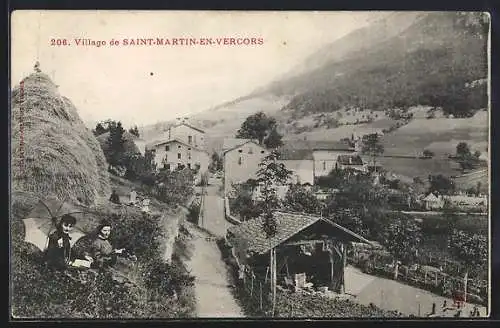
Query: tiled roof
229	143
244	143
188	125
252	235
288	153
318	145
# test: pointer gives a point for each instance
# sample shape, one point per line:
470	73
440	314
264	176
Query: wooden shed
303	244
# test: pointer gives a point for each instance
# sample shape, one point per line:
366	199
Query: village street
212	284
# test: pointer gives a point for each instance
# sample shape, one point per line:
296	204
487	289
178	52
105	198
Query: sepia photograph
249	164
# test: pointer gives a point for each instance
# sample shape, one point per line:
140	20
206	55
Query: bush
194	212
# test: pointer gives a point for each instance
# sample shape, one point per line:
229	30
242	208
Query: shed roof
251	235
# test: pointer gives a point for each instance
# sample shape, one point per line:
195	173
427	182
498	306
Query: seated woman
58	255
102	254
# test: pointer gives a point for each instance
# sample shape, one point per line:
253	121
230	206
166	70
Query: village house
175	153
326	156
188	134
300	162
306	251
241	162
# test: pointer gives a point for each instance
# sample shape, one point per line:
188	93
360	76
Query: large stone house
188	134
175	153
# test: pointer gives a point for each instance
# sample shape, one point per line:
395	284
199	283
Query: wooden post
251	286
274	279
331	271
396	270
436	280
260	299
465	286
344	264
425	277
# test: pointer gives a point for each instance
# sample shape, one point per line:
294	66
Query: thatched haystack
53	152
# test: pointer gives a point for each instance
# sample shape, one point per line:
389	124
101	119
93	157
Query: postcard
248	164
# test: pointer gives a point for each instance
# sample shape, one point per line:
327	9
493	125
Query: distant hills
404	59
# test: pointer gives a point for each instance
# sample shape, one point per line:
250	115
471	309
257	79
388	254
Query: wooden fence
423	277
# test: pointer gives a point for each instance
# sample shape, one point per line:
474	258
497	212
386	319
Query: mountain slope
429	63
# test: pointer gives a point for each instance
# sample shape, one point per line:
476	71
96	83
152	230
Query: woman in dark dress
58	254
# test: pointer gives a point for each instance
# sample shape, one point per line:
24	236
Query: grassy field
440	135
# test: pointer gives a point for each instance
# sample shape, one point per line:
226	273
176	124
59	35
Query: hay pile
61	156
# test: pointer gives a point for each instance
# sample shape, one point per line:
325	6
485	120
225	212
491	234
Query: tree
402	237
441	184
273	140
116	144
471	248
463	150
299	199
99	129
372	146
256	126
465	158
134	131
270	175
427	153
216	163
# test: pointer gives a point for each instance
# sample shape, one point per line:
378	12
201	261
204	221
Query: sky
141	85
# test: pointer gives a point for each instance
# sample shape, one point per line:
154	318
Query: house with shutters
241	162
175	153
188	134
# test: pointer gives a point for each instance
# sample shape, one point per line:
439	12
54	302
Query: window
189	148
324	165
167	166
189	165
190	139
240	151
239	160
189	155
178	155
250	150
179	146
262	152
167	148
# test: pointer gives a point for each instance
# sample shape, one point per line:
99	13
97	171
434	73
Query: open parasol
44	217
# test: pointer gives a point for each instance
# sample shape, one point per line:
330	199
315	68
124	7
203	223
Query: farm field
440	135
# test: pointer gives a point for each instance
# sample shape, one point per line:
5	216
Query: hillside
429	63
53	153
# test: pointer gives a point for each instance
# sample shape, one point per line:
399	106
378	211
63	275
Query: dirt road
212	284
392	295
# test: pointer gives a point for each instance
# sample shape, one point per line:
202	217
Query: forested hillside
440	60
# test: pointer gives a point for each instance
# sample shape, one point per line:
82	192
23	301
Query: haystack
53	152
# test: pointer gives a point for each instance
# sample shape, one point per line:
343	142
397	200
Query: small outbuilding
305	247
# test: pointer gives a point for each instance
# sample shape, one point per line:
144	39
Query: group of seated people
100	255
